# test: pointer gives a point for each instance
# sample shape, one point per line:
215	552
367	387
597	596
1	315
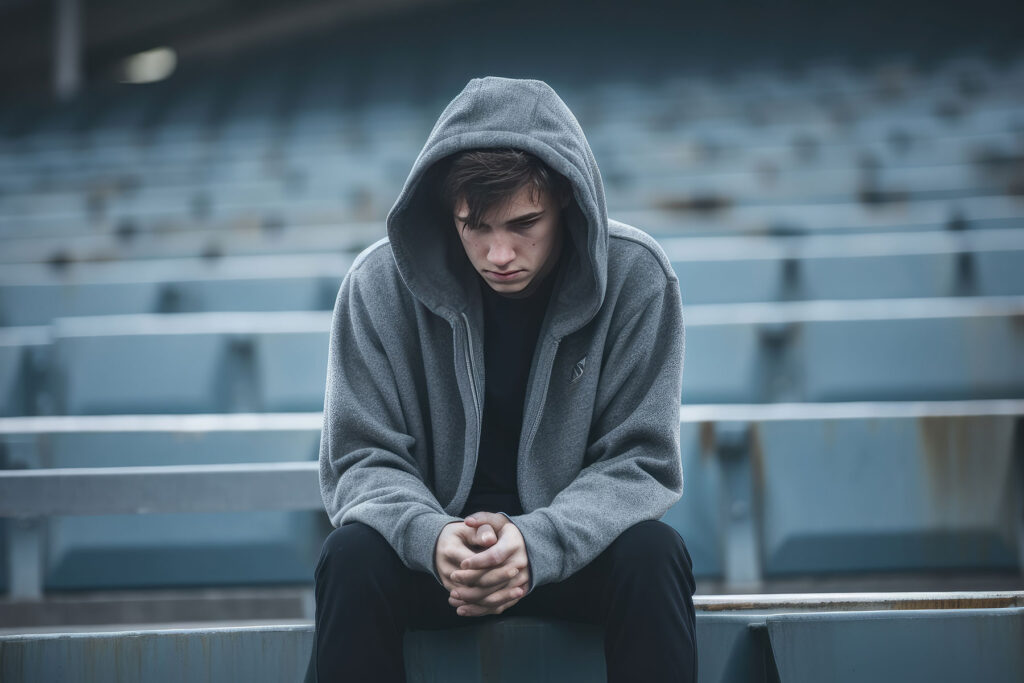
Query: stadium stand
850	249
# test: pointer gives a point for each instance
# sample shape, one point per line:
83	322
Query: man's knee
355	549
650	545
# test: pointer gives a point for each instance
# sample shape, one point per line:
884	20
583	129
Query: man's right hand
456	542
459	541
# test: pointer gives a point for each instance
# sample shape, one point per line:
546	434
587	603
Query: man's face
516	244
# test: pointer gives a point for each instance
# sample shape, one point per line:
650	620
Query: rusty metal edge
860	601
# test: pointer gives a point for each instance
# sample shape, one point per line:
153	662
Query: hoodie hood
490	113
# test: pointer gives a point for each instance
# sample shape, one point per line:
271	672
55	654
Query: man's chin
508	287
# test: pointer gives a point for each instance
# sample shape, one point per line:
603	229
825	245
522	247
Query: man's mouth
507	275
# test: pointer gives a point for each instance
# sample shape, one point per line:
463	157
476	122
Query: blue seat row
815	489
294	196
882	266
807	489
900	349
710	270
40	303
103	552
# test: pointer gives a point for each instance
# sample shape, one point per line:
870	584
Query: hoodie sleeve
635	472
367	471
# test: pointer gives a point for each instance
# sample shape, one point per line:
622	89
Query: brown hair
487	177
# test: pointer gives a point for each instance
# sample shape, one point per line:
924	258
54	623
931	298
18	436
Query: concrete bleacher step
740	639
169	607
107	610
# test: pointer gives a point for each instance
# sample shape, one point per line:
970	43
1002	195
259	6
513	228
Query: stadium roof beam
67	48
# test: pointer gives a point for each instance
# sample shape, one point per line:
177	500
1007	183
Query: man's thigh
638	555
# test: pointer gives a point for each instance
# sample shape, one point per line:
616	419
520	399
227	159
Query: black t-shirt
511	328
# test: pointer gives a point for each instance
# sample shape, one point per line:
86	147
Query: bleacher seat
822	488
910	349
122	551
961	348
770	491
711	270
23	356
844	267
34	295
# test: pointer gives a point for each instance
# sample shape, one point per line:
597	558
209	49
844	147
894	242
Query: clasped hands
482	562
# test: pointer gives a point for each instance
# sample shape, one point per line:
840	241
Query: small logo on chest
577	370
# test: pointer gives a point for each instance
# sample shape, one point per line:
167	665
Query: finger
478	611
457	550
449	563
485	536
492	557
494	599
470	578
480	595
494	519
445	569
499	598
484	578
475	538
454	602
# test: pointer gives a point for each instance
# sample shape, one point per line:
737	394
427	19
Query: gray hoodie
599	450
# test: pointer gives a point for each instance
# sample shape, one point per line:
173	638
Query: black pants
640	589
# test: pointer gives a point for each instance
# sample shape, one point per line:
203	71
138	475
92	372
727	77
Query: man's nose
500	252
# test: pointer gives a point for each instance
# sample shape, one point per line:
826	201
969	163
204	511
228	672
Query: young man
510	354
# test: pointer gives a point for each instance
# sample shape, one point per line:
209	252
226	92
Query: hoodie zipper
470	364
525	448
472	380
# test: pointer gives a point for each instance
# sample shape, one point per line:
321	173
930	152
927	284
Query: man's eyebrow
518	219
527	217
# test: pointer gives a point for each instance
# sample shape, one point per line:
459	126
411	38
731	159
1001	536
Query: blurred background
840	187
